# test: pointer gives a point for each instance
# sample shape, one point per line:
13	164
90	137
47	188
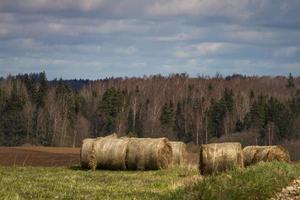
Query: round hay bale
148	153
249	153
218	157
110	153
179	152
87	155
255	154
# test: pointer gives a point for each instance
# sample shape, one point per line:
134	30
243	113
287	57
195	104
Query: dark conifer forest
36	111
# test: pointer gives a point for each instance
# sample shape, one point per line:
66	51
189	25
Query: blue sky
103	38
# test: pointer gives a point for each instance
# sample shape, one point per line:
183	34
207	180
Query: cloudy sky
103	38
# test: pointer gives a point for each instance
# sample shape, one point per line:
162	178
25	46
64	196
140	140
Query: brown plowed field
39	156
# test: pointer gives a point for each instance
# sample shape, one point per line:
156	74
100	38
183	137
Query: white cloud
182	36
25	44
168	68
135	66
182	54
199	7
285	51
131	50
206	49
253	36
71	27
212	48
112	26
88	26
192	62
4	31
83	5
173	38
174	7
168	35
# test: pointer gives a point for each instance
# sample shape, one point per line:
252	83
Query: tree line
191	109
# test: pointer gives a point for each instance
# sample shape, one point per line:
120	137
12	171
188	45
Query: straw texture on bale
86	153
148	154
218	157
179	152
110	153
255	154
87	157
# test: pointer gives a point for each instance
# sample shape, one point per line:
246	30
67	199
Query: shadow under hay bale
87	157
179	153
255	154
218	157
148	154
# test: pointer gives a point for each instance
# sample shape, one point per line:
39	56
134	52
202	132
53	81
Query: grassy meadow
256	182
64	183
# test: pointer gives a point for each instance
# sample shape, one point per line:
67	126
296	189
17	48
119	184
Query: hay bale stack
148	154
218	157
179	152
87	156
255	154
126	153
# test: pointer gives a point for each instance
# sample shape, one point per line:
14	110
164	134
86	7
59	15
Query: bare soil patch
39	156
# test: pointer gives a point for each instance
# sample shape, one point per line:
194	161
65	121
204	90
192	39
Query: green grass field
63	183
258	182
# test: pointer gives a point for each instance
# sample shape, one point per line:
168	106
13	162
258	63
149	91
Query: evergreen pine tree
180	122
167	115
12	121
130	122
239	126
111	105
290	83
